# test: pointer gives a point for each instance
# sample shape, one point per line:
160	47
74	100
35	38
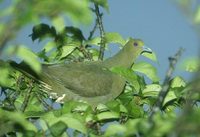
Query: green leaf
7	11
132	126
151	56
73	123
41	31
5	79
113	37
34	106
69	119
49	46
115	129
191	64
170	96
34	113
147	69
134	111
14	121
94	41
125	97
151	90
66	50
70	106
113	105
128	74
73	32
42	124
58	22
197	16
77	10
58	128
178	82
107	115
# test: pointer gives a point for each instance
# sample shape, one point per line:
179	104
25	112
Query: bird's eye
135	44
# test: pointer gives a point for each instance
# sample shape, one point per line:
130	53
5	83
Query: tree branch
83	49
102	32
166	85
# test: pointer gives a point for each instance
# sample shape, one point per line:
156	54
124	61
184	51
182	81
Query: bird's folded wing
86	80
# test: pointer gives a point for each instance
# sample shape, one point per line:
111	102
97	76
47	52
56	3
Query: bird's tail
23	67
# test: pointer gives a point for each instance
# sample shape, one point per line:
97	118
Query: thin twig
27	97
166	83
47	106
93	30
83	49
102	32
86	54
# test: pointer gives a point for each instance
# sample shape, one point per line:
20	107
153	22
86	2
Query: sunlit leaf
151	90
191	64
67	50
151	56
170	96
113	37
178	82
107	115
147	69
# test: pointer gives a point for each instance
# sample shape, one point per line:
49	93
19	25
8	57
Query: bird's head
138	46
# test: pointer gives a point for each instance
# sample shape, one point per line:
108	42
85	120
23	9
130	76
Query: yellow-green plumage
92	82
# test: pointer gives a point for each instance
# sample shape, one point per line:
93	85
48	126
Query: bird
92	82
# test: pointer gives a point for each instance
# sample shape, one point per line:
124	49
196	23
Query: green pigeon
92	82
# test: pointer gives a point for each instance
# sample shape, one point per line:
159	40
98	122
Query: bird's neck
124	58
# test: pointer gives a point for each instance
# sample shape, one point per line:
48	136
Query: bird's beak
146	49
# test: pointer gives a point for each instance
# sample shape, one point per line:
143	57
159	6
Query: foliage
26	111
